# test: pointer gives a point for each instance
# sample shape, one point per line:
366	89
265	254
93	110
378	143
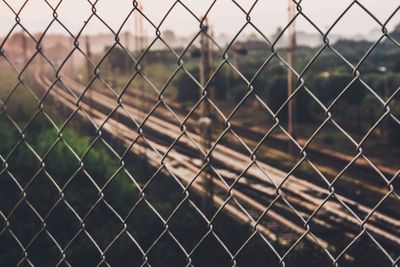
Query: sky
225	16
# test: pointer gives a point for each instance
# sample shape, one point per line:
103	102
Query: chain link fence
256	151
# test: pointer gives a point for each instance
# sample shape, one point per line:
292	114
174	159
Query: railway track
361	175
323	155
286	219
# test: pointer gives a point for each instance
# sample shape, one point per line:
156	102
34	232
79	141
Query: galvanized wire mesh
188	149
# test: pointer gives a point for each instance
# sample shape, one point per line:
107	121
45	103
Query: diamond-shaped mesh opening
215	133
82	250
25	212
39	182
11	251
113	225
62	9
76	181
187	213
361	245
373	143
149	222
218	255
354	101
21	47
43	249
364	15
23	113
124	251
316	255
63	214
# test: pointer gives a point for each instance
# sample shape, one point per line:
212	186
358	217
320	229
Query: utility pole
72	61
24	45
89	92
89	57
206	114
139	48
385	72
42	60
127	41
291	60
128	48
